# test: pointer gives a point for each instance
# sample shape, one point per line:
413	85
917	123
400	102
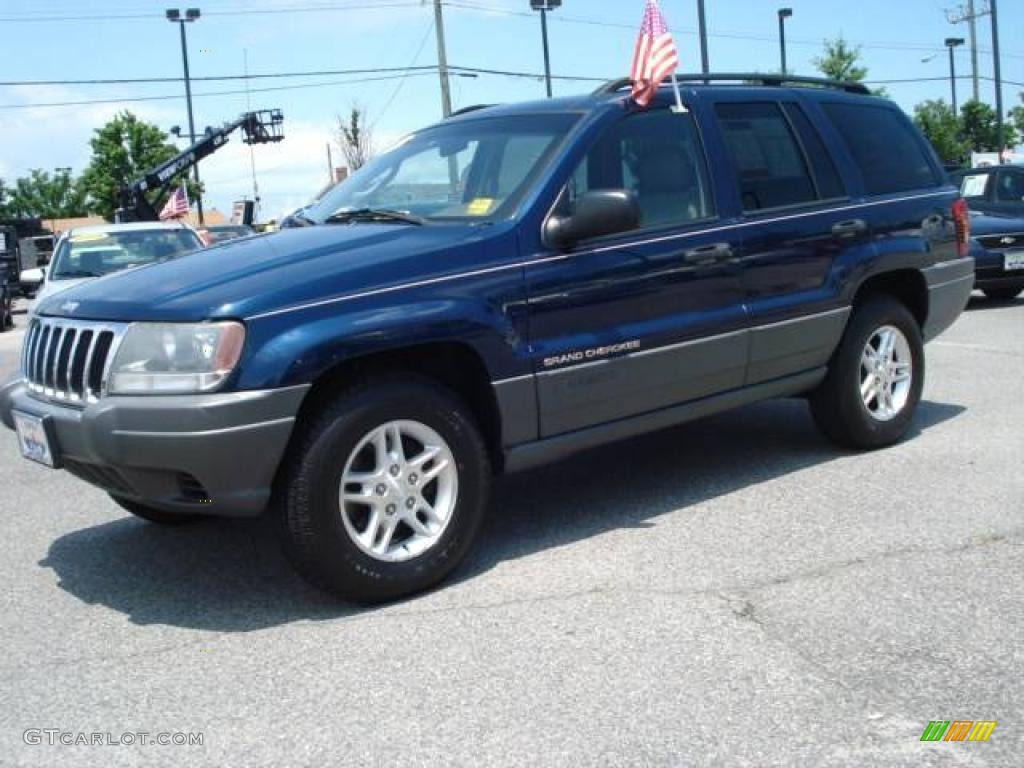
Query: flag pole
679	109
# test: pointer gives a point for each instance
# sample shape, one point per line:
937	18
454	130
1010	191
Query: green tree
840	61
3	200
979	128
1017	116
123	150
47	196
941	127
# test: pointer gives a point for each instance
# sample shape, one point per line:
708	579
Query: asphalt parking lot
732	592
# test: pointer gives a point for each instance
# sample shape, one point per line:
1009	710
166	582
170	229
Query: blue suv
500	290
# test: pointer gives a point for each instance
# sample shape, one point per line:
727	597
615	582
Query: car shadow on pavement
979	302
230	576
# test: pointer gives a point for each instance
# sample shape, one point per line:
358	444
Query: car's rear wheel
6	309
875	378
158	516
386	489
1002	294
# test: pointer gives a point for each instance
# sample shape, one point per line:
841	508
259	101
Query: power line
363	6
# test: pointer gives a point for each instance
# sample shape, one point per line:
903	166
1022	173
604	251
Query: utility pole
967	13
702	25
1000	129
544	6
442	61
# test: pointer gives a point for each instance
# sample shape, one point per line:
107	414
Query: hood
983	224
54	287
240	278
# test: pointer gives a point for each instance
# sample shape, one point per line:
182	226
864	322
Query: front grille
995	242
68	360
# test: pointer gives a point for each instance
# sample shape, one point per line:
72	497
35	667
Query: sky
68	40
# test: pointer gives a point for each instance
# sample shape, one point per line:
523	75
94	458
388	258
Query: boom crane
260	127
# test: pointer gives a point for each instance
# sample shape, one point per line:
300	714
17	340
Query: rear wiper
373	214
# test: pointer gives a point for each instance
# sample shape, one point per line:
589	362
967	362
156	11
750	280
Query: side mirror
598	213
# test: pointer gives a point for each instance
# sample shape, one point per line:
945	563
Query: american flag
176	205
656	57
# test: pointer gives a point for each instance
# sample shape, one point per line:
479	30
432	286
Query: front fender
298	348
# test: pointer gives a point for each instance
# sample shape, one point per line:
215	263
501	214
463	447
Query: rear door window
885	146
769	164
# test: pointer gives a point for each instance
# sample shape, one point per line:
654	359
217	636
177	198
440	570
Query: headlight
175	358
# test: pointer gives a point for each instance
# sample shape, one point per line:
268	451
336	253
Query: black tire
158	516
313	534
1002	294
837	406
6	311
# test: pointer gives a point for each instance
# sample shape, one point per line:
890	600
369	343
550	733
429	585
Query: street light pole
702	28
544	6
951	43
191	14
784	13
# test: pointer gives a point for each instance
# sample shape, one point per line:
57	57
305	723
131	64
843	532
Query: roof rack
748	78
472	108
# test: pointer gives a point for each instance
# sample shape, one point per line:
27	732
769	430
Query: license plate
34	439
1014	260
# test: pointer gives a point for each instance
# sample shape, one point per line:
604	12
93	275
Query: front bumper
949	288
214	453
990	273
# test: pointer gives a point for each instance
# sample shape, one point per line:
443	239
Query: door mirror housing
598	213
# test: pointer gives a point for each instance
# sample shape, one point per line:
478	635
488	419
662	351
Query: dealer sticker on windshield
480	206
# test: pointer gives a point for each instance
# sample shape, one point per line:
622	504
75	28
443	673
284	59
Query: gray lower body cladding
214	453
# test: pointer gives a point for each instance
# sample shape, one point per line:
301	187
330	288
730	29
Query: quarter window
885	146
766	157
657	156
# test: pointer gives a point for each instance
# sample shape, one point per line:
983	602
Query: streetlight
544	6
951	43
784	13
175	16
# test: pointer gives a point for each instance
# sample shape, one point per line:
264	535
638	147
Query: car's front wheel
386	490
875	378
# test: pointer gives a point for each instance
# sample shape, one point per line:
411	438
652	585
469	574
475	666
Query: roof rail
748	78
472	108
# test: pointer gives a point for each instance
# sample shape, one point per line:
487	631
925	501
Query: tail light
962	222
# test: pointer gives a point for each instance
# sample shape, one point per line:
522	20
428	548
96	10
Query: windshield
474	170
95	254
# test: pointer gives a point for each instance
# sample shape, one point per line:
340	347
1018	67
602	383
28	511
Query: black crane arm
260	127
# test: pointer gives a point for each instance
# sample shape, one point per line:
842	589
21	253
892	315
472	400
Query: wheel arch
906	285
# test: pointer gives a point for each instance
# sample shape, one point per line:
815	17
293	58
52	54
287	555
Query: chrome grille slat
51	348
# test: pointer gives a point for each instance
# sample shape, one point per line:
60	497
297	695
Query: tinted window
886	147
826	177
656	156
767	160
1011	187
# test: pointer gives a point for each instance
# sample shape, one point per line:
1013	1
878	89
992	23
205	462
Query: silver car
87	253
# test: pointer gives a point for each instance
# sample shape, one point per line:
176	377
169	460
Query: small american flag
176	205
656	57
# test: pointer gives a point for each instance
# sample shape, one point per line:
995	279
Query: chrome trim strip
643	352
513	379
87	393
794	320
564	256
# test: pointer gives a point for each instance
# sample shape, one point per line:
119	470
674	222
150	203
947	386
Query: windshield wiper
77	273
373	214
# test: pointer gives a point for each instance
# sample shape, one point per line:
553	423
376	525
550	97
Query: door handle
851	228
708	254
